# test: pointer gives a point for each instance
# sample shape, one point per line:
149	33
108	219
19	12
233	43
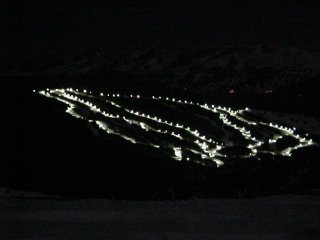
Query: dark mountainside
60	155
260	73
159	120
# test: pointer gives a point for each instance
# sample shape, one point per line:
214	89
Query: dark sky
95	24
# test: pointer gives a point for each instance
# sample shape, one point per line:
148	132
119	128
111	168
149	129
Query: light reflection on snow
186	142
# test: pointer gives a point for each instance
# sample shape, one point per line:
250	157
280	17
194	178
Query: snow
258	68
6	193
190	141
275	217
304	123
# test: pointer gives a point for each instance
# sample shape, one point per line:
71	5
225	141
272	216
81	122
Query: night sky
38	25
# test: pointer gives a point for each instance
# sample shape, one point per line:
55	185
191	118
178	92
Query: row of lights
96	109
207	152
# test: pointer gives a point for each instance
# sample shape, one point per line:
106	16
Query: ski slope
182	129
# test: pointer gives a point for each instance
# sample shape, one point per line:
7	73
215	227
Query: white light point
177	153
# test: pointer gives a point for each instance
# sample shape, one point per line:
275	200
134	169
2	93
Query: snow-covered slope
258	68
232	58
278	217
6	193
236	69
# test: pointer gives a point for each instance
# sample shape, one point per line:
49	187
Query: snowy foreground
25	216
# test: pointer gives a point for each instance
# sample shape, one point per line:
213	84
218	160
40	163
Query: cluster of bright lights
200	146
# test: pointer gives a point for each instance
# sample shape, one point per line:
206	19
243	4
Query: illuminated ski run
184	130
